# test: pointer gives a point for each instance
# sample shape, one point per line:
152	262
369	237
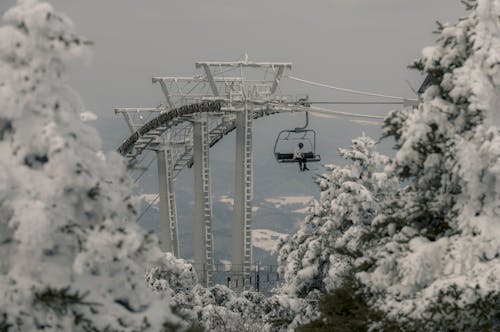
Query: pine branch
61	300
4	325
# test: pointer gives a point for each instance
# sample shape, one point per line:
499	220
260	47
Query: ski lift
287	142
303	100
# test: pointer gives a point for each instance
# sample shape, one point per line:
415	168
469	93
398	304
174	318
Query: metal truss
245	90
196	113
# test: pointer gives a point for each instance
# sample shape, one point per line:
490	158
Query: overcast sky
361	44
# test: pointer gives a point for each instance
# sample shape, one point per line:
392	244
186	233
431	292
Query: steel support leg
168	214
242	213
203	239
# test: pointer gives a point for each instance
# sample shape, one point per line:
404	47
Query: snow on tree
174	275
219	308
72	258
440	268
330	243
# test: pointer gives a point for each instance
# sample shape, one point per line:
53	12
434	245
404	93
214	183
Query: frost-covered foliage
440	269
218	308
70	258
172	274
456	114
316	258
426	253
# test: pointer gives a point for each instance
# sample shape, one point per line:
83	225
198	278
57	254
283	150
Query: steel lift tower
245	90
243	94
197	112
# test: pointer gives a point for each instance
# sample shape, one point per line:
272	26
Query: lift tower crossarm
164	89
287	65
129	122
210	78
277	79
204	79
198	78
138	109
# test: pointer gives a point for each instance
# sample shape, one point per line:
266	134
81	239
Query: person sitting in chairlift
298	154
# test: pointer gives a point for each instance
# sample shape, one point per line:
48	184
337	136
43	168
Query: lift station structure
197	112
226	96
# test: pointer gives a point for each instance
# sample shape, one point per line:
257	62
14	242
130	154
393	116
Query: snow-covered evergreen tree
174	275
439	271
71	256
331	242
219	308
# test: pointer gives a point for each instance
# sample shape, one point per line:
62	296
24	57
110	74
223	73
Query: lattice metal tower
246	90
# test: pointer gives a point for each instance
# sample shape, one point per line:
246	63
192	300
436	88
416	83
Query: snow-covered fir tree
440	268
332	239
71	256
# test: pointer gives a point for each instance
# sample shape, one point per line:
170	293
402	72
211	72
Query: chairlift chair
296	136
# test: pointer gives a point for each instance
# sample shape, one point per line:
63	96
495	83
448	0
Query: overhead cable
147	208
350	90
329	111
348	114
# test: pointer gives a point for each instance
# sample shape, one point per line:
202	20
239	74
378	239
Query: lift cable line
147	208
346	114
357	102
351	90
145	170
299	108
